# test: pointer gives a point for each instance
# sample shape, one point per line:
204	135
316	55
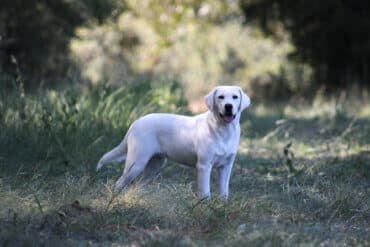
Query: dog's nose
228	107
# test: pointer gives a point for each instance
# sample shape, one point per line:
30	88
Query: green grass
301	176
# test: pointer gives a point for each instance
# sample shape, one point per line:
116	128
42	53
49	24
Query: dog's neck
216	123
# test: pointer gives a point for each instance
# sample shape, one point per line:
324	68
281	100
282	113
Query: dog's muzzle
228	115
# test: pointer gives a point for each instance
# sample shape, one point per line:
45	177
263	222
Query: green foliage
197	53
37	34
328	35
198	43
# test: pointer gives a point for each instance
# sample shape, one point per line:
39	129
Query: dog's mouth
228	117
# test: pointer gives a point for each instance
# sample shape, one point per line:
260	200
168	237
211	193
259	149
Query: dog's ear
210	99
244	100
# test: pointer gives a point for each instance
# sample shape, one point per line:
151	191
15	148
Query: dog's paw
120	184
117	188
223	198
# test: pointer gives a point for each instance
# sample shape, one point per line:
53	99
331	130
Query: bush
37	34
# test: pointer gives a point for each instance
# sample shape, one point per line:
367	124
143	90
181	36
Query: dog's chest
220	160
224	151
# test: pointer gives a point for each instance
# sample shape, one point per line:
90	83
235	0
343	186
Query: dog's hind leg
132	170
152	169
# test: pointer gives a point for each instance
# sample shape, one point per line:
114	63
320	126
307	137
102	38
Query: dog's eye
221	97
235	97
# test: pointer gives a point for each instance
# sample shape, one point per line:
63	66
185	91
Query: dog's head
227	102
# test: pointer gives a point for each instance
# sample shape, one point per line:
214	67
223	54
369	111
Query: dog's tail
117	154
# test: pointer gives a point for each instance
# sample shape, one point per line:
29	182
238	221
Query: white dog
204	141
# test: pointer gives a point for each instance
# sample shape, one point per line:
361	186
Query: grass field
302	175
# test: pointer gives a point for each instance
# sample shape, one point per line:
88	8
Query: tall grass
57	131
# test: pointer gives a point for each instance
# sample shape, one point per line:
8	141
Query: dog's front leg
224	173
204	175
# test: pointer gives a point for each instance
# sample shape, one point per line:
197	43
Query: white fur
203	141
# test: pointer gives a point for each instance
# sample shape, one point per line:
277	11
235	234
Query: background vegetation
328	35
75	74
